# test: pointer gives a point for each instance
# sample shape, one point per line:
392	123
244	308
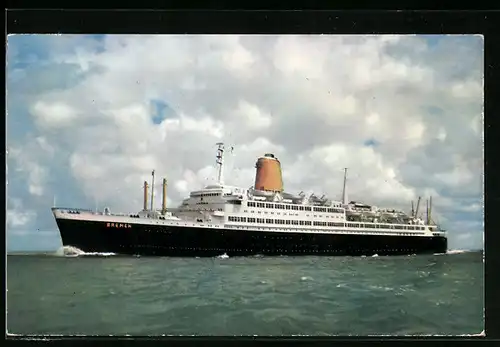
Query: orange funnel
268	174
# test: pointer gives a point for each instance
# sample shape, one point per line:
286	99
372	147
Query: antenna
344	191
220	162
95	200
152	189
412	209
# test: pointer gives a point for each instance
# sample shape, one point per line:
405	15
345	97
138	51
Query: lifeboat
256	192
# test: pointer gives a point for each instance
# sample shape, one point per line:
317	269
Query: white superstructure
247	208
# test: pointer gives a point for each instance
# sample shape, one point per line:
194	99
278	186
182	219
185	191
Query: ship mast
152	189
344	190
220	162
430	211
164	201
427	211
418	205
145	196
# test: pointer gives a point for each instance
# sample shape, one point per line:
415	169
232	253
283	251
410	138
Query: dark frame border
313	22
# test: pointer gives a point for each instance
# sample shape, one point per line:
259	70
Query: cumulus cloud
404	115
27	161
54	114
17	215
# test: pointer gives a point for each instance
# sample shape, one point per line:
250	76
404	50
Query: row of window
404	233
205	194
330	224
293	207
291	214
268	221
384	226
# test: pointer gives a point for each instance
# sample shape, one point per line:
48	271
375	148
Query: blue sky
90	116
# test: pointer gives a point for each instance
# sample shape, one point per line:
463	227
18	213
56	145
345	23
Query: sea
69	292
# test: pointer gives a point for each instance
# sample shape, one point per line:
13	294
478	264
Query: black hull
184	241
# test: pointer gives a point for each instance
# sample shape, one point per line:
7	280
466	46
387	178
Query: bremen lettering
118	225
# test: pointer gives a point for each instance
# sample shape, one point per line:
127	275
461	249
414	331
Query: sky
89	118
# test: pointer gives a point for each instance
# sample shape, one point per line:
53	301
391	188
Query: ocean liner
263	219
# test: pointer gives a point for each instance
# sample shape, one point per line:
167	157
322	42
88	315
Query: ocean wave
72	252
383	288
454	251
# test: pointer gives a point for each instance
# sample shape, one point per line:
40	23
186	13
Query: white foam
99	254
375	255
71	252
387	289
223	256
456	251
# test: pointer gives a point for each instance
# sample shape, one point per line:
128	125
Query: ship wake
454	251
72	252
